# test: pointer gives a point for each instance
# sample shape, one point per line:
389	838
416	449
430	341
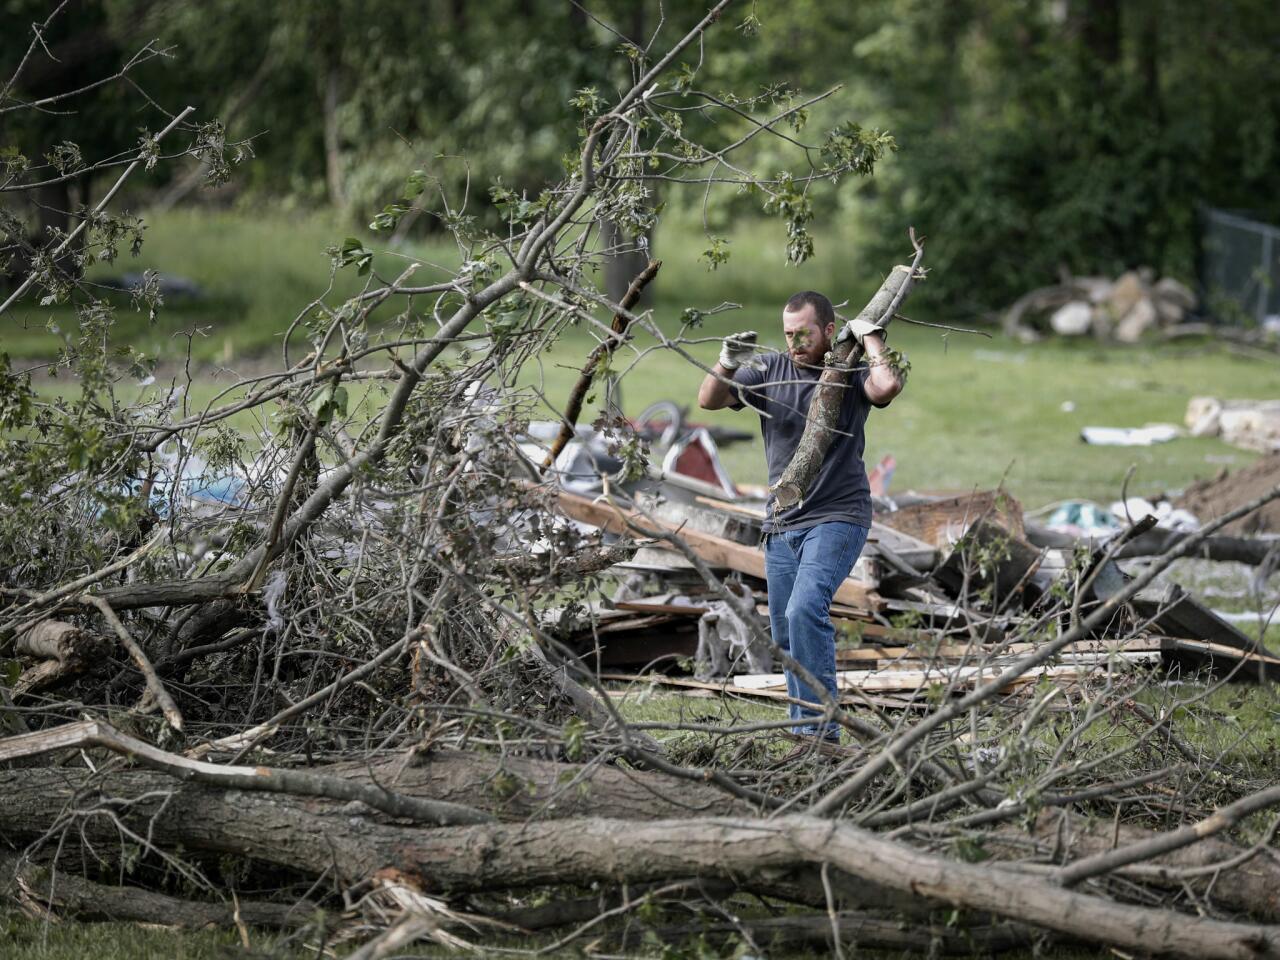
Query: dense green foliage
1078	135
975	412
1033	135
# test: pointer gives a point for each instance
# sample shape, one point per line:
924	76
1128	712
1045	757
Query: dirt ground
1212	498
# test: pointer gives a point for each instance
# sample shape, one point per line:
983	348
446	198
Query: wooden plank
626	625
1179	615
732	507
957	650
887	680
724	689
916	553
676	609
1219	650
715	551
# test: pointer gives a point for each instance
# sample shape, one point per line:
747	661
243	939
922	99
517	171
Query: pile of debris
942	599
1252	424
1123	309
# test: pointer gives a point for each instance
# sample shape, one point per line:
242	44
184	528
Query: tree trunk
828	397
583	851
1249	884
39	889
332	144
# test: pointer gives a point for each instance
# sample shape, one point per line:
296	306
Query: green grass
256	273
979	412
35	940
976	411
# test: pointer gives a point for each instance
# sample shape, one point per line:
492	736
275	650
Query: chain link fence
1240	269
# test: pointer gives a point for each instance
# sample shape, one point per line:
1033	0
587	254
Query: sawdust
1209	499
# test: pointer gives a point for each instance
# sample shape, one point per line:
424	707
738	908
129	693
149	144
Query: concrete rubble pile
1124	309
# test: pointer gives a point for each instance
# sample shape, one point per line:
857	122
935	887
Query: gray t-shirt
781	393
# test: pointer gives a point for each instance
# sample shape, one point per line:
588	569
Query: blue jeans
804	568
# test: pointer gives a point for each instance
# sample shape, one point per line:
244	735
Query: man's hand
857	329
738	349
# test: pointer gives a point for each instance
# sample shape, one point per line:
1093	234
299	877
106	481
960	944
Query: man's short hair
823	311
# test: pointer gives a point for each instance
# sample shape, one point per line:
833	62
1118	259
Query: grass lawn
35	940
976	411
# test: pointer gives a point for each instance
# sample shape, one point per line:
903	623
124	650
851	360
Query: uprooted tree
326	664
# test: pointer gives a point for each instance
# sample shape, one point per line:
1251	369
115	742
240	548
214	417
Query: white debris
1073	319
1143	436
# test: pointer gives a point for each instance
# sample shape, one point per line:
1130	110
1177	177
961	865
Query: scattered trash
942	586
1168	516
1083	518
1130	436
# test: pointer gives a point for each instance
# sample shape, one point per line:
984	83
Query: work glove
739	349
857	329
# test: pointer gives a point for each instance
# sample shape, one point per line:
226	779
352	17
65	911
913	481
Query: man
810	547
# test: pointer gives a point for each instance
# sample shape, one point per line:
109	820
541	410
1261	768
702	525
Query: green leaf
328	402
353	251
415	184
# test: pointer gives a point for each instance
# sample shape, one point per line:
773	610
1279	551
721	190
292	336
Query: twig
621	320
139	657
107	198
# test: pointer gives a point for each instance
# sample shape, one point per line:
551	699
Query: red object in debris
881	476
696	456
695	462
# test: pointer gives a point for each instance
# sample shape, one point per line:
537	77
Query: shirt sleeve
750	390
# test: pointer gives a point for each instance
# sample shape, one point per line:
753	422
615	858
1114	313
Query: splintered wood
941	601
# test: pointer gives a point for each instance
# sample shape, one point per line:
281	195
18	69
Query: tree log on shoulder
828	397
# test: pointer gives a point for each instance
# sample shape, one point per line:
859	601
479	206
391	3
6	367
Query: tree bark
1249	884
583	851
1245	550
332	144
39	889
64	648
828	397
573	408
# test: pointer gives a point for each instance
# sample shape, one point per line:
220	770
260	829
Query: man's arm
715	393
882	383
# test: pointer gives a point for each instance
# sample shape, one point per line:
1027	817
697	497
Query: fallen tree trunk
1253	551
63	649
442	787
582	851
1237	878
1248	550
39	891
91	733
